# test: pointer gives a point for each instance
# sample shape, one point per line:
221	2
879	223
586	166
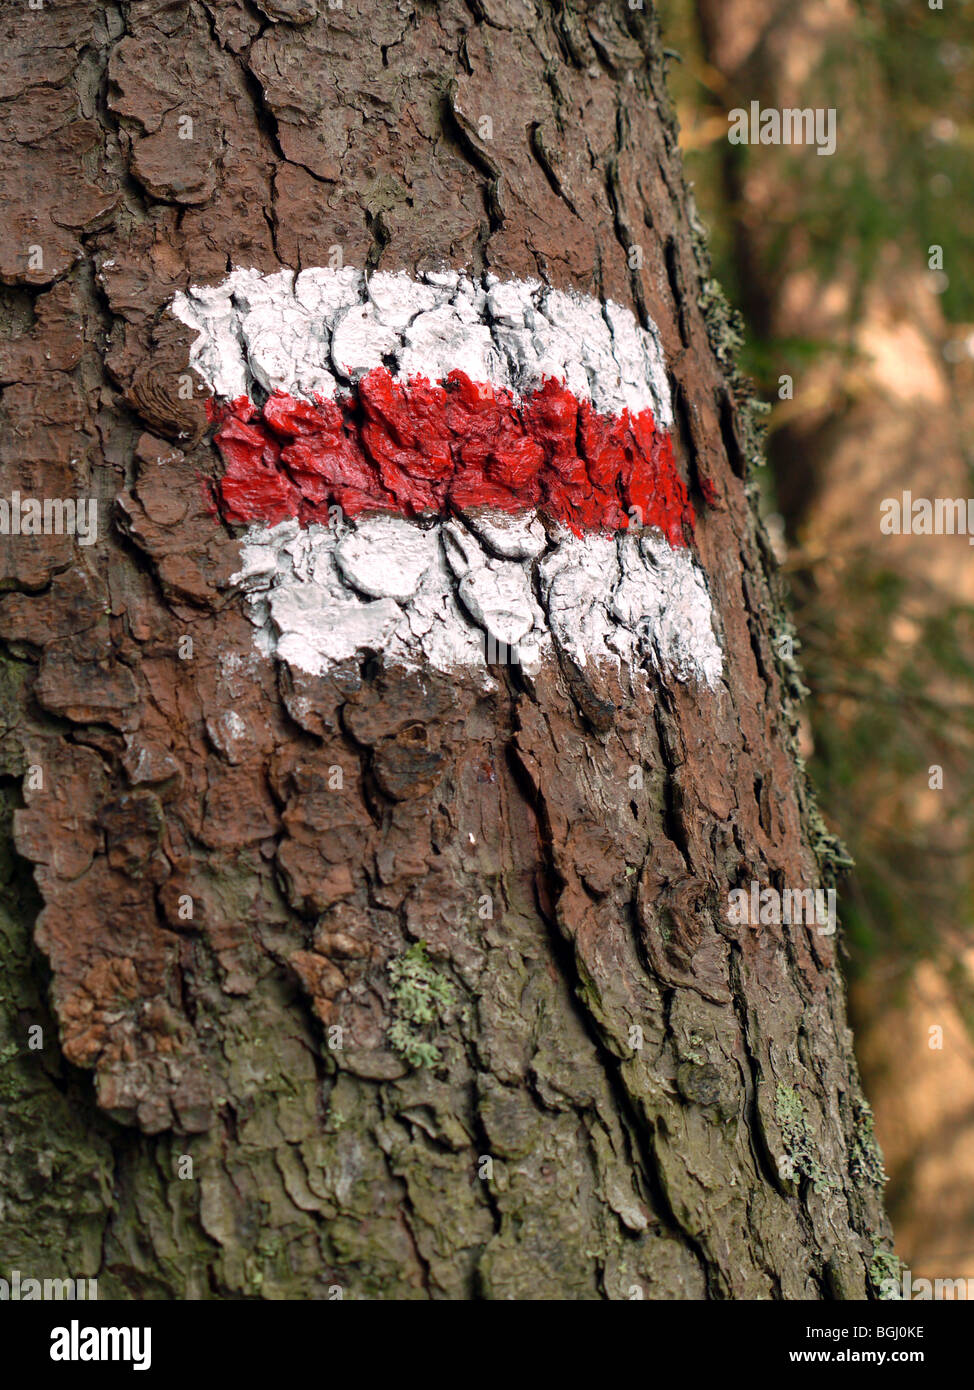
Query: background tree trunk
636	1069
885	621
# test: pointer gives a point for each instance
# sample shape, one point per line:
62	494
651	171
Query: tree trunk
396	982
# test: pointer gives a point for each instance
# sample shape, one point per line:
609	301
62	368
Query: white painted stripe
427	593
322	329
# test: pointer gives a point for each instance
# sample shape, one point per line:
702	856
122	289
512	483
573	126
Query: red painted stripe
416	449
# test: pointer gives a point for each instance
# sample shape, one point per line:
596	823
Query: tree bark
622	1094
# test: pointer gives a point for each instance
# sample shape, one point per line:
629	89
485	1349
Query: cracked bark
617	1049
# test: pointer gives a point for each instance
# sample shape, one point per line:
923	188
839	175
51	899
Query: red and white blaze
431	467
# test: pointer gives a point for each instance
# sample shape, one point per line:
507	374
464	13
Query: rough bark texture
634	1066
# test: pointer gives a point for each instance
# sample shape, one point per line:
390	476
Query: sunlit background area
854	277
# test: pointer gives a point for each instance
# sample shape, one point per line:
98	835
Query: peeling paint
430	596
308	334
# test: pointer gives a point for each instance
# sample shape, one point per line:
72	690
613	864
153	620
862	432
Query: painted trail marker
428	465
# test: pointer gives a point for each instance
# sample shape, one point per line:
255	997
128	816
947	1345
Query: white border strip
316	332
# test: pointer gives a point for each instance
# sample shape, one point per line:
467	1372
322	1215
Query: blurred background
854	278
